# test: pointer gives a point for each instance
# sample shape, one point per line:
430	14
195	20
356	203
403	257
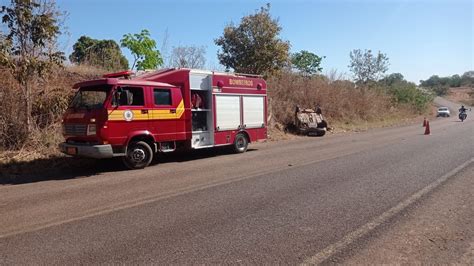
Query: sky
420	37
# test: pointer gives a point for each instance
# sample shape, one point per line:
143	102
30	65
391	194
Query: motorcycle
462	116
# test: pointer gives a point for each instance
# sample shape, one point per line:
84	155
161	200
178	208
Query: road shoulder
439	229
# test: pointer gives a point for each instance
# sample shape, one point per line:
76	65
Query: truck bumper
85	150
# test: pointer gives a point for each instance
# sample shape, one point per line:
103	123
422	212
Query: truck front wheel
139	155
240	143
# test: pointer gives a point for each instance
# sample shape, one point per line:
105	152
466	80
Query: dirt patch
463	95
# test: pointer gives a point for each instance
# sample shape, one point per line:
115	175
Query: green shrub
404	92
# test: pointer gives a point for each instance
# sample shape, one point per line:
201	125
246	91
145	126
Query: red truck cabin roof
116	81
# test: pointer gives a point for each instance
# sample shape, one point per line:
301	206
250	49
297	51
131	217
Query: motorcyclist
462	113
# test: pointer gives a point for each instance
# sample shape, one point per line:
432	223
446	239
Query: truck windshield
90	97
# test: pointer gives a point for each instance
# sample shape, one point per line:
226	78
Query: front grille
75	129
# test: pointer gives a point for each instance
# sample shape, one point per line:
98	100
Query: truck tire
240	143
139	155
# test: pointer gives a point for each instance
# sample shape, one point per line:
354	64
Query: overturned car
310	122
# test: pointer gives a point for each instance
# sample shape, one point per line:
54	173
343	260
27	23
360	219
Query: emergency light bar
123	74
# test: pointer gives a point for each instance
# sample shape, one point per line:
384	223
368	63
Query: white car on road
443	111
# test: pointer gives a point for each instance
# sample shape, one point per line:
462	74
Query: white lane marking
350	238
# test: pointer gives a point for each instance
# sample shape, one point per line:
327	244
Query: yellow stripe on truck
161	114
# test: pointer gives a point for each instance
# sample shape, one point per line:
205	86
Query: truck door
130	114
167	117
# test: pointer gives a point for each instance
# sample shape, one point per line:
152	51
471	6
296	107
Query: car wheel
240	143
139	155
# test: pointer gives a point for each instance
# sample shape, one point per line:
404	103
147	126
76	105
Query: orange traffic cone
424	122
427	128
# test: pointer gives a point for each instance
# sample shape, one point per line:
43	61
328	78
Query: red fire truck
136	117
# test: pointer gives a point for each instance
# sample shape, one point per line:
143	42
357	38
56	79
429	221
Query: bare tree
366	66
188	56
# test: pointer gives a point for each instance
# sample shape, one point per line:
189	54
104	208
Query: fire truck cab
135	117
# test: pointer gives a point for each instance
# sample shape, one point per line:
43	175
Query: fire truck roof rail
148	73
249	75
122	74
195	70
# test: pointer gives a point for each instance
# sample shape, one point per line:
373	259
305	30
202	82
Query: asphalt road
281	202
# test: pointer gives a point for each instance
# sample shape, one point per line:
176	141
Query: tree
436	84
392	79
29	47
102	53
366	67
455	81
405	92
254	46
306	62
188	56
467	79
143	49
433	81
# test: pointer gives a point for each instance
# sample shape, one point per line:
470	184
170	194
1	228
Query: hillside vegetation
51	97
345	105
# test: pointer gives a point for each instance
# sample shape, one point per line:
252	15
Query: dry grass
51	96
346	107
463	95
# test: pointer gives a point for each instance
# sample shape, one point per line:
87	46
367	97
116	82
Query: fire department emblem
128	115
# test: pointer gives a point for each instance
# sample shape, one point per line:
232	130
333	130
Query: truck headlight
91	129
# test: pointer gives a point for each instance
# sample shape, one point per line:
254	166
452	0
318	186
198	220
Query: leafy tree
188	56
81	48
102	53
404	92
28	49
393	78
431	82
455	81
254	46
467	79
367	67
439	85
306	62
143	49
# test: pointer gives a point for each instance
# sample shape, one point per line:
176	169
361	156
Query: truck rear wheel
240	143
139	155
